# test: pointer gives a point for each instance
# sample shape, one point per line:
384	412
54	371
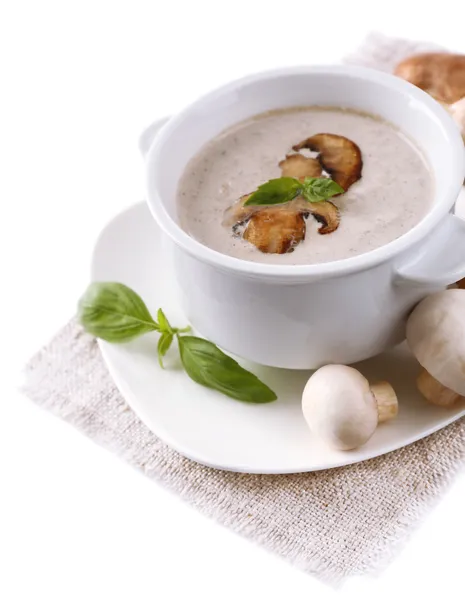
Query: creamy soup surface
392	196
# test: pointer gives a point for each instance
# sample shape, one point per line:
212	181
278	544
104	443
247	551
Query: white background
78	81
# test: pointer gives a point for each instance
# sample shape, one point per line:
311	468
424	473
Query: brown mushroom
276	230
461	284
326	213
338	156
299	166
440	74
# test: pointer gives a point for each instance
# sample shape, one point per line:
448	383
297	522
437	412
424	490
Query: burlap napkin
333	523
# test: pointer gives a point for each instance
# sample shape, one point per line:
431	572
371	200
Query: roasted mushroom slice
276	230
338	156
325	213
440	74
299	166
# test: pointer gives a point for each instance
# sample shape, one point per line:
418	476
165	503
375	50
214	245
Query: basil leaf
114	312
208	365
275	191
164	344
318	189
163	321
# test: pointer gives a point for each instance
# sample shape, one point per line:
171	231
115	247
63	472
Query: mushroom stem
434	391
386	400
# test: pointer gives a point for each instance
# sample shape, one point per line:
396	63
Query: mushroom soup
385	187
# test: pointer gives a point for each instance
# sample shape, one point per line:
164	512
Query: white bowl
308	315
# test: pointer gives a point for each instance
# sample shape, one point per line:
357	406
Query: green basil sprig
115	313
285	189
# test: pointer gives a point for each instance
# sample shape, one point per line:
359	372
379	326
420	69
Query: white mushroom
457	110
436	336
342	408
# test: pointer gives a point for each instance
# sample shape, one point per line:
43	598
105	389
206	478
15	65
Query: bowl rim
444	198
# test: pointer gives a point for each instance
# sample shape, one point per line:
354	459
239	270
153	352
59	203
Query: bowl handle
442	261
149	134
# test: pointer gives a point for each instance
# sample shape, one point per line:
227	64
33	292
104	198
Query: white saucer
213	429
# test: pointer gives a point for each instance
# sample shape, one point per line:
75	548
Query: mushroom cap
339	406
436	336
439	73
